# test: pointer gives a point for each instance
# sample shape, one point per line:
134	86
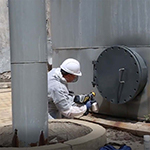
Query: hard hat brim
77	74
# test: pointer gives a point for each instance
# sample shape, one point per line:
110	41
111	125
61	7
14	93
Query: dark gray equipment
120	74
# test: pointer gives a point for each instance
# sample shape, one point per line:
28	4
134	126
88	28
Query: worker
61	102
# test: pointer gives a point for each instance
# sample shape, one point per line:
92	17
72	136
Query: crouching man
60	101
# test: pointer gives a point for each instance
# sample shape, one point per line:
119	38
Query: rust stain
148	124
118	124
46	141
15	140
41	139
33	144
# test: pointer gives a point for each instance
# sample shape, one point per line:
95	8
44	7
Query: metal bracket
94	68
94	64
121	71
93	83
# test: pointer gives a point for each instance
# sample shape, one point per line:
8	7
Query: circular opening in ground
58	132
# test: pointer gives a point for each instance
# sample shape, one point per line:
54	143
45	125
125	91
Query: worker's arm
74	111
65	104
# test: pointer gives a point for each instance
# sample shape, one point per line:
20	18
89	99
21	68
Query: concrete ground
5	105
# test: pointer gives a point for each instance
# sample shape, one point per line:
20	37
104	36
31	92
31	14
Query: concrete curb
92	141
136	128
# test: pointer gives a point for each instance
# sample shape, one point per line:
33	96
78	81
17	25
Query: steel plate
120	74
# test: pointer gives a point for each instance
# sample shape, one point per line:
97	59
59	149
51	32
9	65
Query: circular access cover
120	74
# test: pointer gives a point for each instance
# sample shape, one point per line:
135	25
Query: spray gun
83	99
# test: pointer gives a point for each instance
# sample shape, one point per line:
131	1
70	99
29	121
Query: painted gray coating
84	23
27	20
29	69
137	107
82	29
120	74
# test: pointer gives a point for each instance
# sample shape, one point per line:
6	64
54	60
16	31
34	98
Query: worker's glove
88	105
81	99
93	101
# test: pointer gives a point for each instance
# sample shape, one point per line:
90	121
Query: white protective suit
59	99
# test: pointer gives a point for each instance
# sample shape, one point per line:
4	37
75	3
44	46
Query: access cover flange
120	74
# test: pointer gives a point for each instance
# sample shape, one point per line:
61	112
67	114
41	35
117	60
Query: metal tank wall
82	29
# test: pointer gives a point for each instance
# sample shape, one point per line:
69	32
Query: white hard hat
71	66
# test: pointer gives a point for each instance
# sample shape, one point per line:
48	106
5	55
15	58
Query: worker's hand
88	105
93	101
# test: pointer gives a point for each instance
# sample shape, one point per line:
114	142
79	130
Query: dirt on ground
117	138
114	137
59	132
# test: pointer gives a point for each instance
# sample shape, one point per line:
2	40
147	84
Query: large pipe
29	69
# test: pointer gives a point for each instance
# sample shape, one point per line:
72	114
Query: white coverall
59	100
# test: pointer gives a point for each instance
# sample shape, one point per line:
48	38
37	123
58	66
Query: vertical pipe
29	69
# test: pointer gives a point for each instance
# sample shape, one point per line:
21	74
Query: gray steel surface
29	101
29	69
120	74
82	29
28	22
134	109
84	23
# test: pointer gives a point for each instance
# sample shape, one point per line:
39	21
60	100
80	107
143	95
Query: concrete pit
64	134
